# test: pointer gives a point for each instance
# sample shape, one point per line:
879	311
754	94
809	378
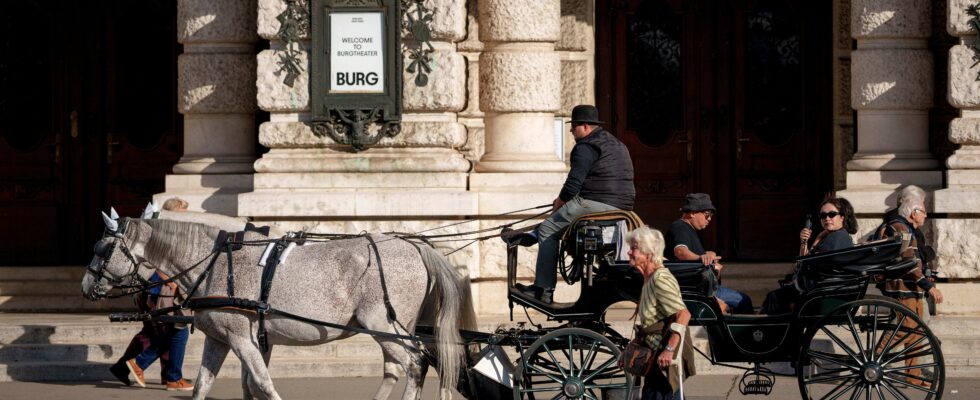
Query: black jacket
601	171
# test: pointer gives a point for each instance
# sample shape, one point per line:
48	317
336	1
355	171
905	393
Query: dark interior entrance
731	98
88	119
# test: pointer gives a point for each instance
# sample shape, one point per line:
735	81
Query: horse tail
455	312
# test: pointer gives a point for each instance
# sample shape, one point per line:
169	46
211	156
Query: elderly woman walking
660	304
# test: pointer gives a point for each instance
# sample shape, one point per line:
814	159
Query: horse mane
170	239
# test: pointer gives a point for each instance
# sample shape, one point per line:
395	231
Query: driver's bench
594	251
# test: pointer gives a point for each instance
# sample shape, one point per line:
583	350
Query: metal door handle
57	148
738	144
73	121
690	145
109	145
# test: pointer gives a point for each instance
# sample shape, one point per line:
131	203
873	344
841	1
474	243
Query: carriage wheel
871	349
570	363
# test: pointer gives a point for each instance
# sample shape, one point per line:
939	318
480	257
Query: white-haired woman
660	303
913	286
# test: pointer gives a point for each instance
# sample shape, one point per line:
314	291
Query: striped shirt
660	299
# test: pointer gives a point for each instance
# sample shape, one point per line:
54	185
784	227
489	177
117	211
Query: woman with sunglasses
838	222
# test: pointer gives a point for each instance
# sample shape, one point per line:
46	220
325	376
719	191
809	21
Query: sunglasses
832	214
708	214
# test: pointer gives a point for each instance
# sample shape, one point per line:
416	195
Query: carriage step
758	381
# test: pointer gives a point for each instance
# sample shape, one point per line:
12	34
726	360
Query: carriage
838	341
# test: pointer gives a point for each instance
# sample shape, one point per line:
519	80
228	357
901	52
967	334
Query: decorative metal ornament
294	22
974	12
417	21
352	128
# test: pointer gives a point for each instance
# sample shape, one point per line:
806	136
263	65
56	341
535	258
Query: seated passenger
683	244
838	222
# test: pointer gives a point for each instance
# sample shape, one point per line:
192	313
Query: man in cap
600	179
683	244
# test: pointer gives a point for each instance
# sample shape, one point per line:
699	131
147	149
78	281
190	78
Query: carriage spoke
894	391
920	351
887	345
601	368
841	344
828	379
908	367
550	354
841	392
881	396
832	358
558	396
571	357
549	376
906	375
541	389
856	392
911	385
857	338
589	358
606	386
590	394
907	348
873	334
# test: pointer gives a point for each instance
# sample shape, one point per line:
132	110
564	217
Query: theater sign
356	70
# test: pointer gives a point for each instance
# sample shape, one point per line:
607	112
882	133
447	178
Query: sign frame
347	116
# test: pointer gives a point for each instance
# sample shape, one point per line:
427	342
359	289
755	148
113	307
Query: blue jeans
173	340
738	302
549	233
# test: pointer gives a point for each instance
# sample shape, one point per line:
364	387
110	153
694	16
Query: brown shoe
182	385
137	372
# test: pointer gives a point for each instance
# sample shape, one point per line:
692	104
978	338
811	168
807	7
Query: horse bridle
119	240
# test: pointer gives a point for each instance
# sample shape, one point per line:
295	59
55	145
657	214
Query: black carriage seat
828	279
697	282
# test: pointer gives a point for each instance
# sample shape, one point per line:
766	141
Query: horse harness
275	254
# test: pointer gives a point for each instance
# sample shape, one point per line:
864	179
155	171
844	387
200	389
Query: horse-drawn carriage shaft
336	281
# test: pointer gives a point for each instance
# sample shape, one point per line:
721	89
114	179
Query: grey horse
336	281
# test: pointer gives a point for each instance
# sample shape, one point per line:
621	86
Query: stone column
520	93
892	84
955	237
520	84
216	95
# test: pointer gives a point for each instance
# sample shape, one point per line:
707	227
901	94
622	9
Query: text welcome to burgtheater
357	42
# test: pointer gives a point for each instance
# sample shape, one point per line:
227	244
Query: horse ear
112	213
110	224
148	211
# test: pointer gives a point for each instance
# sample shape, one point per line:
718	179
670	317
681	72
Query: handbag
637	358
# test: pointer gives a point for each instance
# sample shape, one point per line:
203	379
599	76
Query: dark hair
845	209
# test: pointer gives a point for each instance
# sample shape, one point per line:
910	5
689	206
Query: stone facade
479	139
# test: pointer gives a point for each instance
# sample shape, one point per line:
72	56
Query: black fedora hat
697	202
586	114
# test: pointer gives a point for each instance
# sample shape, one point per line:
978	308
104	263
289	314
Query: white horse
337	281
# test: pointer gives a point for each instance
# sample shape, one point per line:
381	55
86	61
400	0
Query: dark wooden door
730	98
87	120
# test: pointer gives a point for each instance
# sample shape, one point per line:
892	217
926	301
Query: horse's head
118	259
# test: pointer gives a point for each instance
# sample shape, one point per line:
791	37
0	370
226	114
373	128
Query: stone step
40	288
57	273
342	349
61	303
91	371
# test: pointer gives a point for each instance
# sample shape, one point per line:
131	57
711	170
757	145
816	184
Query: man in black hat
600	179
683	244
